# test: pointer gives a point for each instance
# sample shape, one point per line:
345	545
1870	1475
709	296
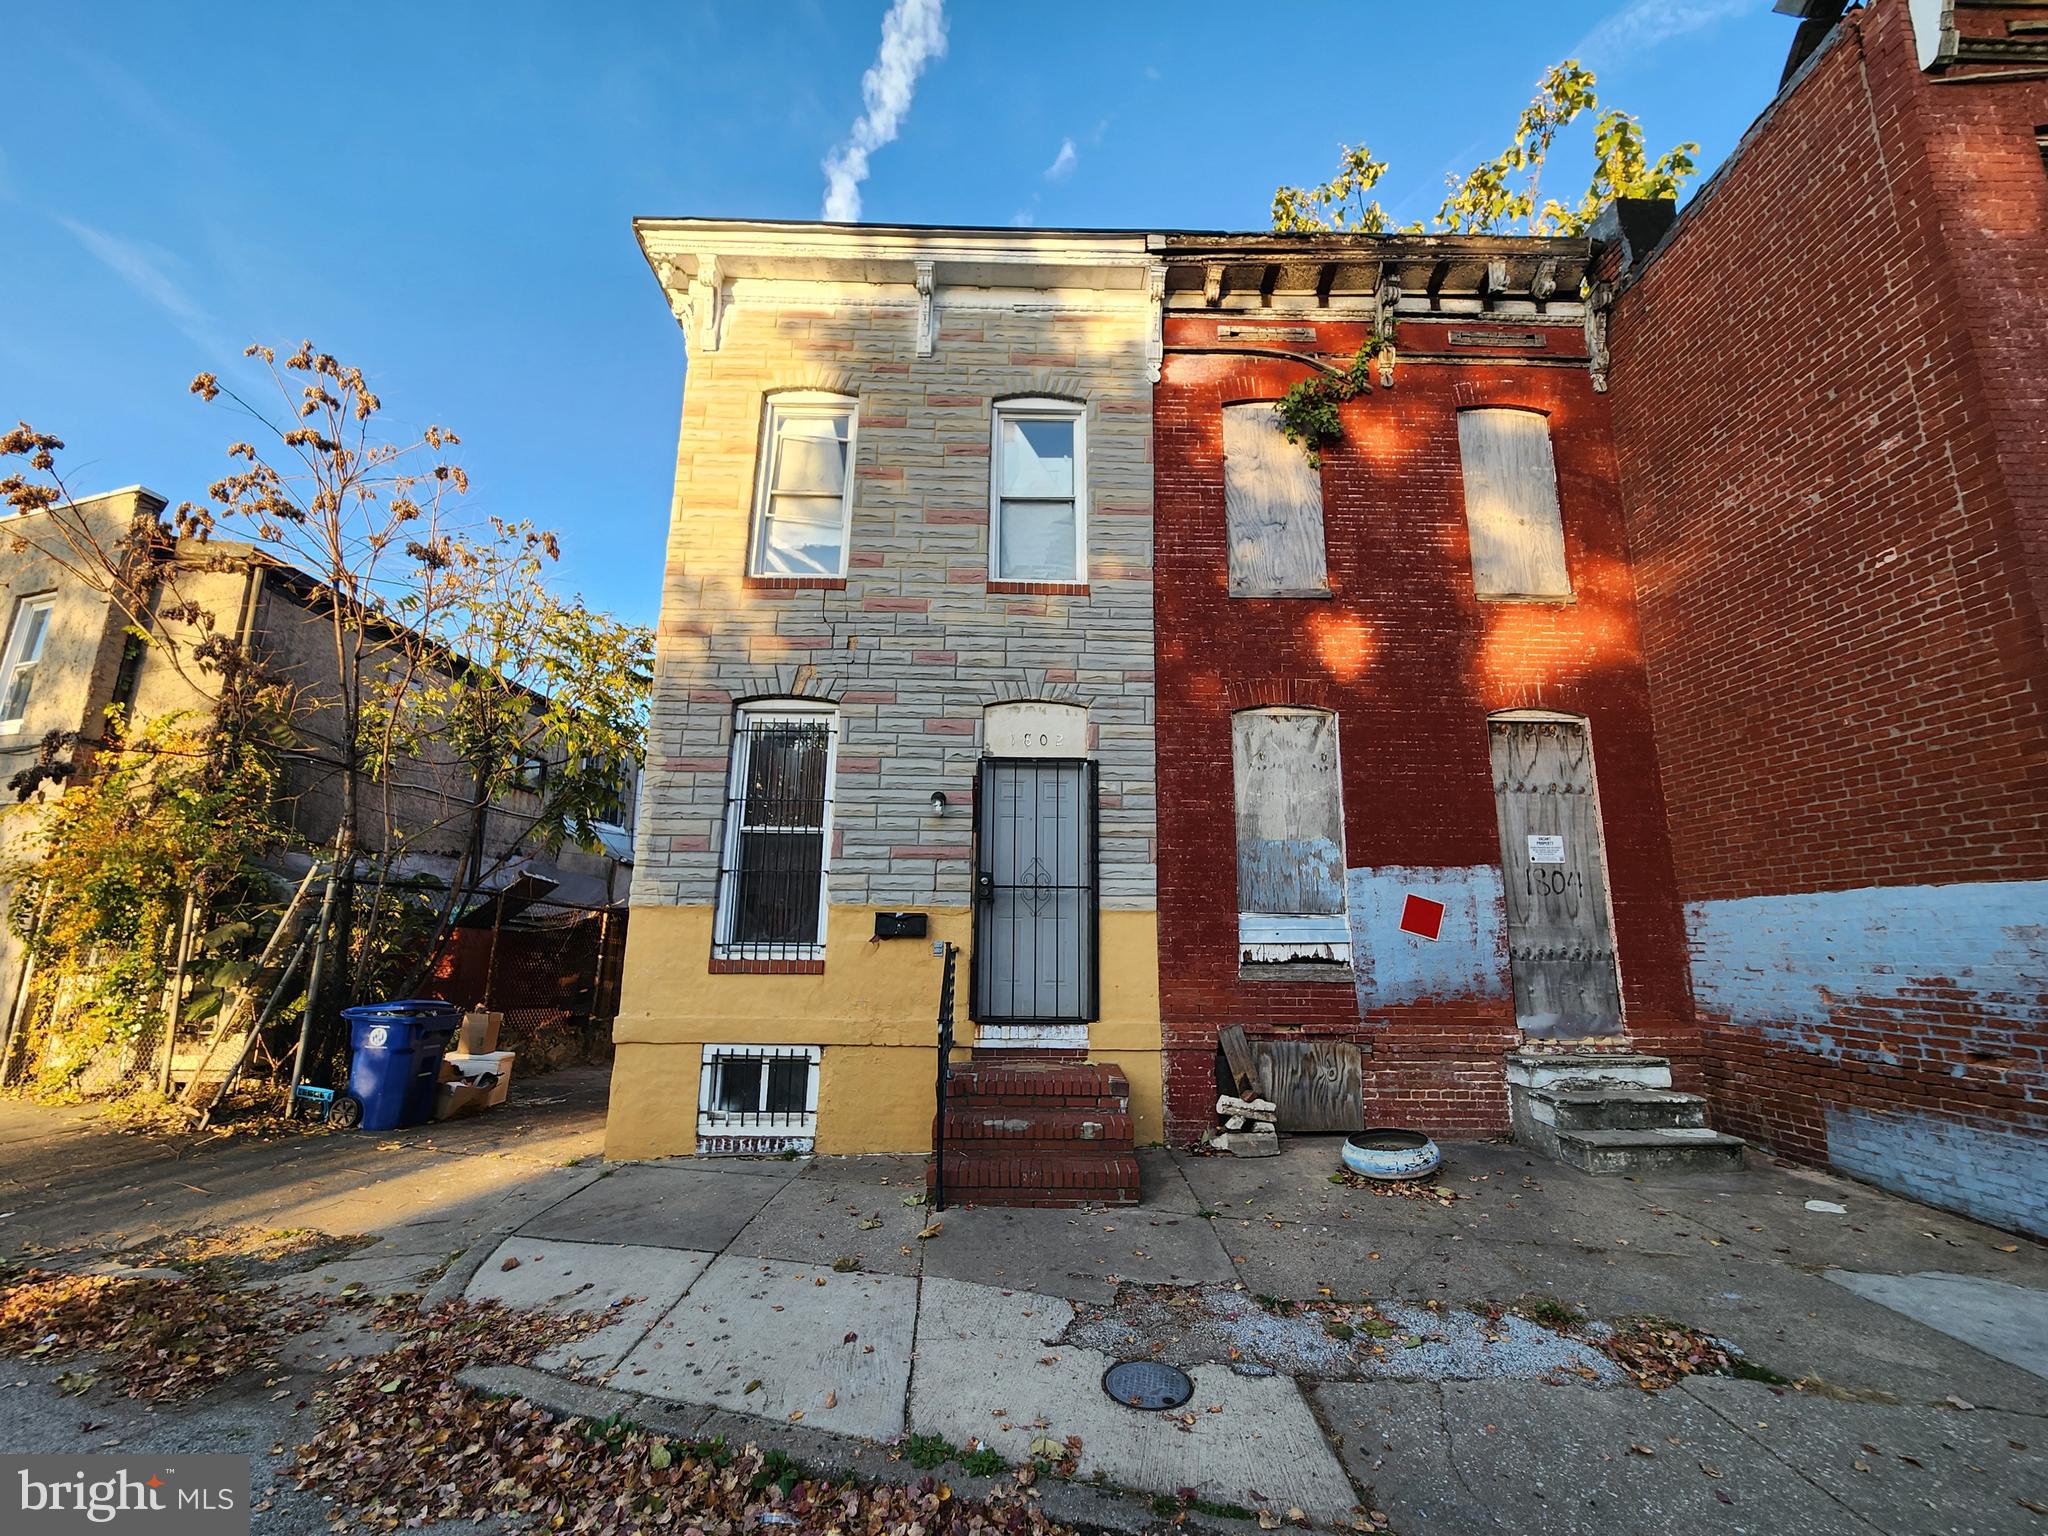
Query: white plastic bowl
1392	1154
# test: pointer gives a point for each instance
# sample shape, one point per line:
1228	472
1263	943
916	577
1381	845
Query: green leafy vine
1308	411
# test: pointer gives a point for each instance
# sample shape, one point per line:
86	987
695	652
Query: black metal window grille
771	882
746	1090
1035	910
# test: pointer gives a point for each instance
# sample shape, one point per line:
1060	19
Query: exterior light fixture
939	802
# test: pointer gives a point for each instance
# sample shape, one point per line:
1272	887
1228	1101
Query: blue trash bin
395	1052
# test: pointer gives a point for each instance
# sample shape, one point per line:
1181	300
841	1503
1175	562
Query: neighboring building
1831	409
67	655
1385	684
904	666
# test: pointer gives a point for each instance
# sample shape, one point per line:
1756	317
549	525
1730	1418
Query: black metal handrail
945	1074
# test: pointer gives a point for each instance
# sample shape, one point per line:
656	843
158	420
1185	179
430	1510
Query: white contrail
913	33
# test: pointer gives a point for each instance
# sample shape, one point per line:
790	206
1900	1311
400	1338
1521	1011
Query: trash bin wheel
346	1112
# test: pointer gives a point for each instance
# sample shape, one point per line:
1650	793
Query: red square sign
1421	916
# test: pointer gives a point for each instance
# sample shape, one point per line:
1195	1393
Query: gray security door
1034	891
1560	934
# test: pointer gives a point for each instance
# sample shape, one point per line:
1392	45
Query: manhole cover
1147	1384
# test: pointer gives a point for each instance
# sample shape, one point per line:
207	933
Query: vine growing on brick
1308	411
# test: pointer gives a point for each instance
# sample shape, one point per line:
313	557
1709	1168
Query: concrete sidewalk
799	1300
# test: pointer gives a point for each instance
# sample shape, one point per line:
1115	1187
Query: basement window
1273	507
1290	839
1511	505
757	1099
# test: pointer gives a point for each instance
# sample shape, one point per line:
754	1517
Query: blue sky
443	194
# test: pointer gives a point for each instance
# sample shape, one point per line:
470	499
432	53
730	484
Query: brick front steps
1038	1133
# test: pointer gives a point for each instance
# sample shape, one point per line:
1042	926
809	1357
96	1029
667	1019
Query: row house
903	694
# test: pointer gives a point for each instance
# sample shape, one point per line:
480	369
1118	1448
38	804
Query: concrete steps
1038	1133
1612	1113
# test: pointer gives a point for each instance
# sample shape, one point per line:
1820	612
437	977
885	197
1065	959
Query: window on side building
804	499
27	631
771	881
1273	505
1039	493
1511	505
1290	838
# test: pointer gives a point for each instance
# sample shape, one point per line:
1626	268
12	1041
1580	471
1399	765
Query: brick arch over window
797	681
817	378
1044	384
1279	692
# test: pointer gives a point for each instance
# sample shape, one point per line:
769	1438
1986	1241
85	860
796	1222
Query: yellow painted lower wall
872	1011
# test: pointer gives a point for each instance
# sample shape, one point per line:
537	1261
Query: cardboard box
479	1033
461	1098
473	1070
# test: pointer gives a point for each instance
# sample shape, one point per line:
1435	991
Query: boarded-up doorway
1560	931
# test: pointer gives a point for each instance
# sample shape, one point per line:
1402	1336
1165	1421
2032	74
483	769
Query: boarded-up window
1511	505
1290	836
1273	504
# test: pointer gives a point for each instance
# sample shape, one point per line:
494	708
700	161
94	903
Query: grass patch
927	1451
1749	1370
983	1463
1551	1313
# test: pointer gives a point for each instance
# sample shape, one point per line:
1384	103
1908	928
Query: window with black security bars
752	1090
771	888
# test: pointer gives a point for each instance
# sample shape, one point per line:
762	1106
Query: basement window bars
758	1098
771	878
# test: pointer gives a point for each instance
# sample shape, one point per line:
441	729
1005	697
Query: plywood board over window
1290	836
1511	505
1273	505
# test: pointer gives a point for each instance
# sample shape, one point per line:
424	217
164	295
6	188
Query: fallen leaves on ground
1658	1354
1401	1189
431	1449
165	1339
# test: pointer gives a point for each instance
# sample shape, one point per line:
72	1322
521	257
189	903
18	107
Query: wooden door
1560	931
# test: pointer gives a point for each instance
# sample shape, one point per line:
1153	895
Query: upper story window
771	879
1290	837
1273	505
25	637
1040	492
1511	505
804	499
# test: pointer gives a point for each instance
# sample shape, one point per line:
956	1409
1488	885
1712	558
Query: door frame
1538	715
1092	977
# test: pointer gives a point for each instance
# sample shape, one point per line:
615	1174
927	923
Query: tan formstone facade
927	331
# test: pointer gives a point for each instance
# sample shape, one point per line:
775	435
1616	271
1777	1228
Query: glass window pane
38	621
15	704
801	536
786	774
789	1082
1037	457
739	1085
1036	541
810	454
776	887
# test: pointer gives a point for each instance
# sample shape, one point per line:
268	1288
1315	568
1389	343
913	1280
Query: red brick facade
1412	664
1831	414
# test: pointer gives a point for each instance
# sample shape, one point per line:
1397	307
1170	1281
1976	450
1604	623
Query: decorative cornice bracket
927	324
1599	300
1155	335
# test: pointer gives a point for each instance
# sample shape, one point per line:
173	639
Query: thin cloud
1646	24
1063	163
913	34
149	271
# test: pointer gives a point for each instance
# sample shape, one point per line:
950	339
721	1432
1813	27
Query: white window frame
1038	408
786	1130
770	712
15	662
776	409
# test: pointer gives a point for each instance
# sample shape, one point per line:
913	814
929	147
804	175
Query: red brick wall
1412	663
1832	423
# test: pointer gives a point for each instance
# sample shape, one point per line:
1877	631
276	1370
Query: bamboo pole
264	962
174	994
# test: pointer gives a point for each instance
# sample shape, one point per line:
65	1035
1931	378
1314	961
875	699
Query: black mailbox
899	925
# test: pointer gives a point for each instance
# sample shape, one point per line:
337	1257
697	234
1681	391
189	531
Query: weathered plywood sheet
1554	879
1273	505
1290	813
1511	505
1318	1084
